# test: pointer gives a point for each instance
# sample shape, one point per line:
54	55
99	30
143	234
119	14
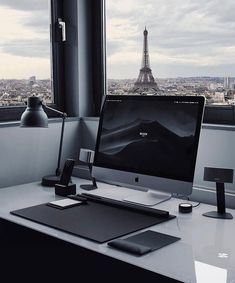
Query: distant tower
145	81
32	80
227	82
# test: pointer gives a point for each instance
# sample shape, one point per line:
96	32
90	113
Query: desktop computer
148	145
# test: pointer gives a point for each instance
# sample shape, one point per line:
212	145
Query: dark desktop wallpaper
149	136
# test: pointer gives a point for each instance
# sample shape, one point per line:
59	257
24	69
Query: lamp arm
58	170
63	115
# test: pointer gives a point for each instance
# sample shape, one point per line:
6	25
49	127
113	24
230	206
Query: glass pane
25	67
172	47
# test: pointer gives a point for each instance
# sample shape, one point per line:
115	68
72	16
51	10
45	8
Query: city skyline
186	38
15	92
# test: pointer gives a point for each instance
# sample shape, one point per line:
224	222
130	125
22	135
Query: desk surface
205	253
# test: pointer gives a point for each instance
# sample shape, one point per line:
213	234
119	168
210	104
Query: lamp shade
34	115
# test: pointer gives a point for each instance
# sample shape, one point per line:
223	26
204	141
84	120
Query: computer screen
149	136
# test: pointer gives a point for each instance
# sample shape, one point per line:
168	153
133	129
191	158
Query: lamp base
215	214
50	180
88	187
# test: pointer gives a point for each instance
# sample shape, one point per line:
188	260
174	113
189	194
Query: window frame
99	74
13	113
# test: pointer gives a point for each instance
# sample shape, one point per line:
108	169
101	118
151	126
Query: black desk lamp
34	116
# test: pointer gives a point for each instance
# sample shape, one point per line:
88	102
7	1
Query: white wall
216	149
27	154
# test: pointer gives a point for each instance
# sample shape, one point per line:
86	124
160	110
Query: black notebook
144	242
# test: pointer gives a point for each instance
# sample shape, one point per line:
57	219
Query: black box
62	190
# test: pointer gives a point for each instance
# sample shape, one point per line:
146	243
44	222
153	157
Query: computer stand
89	187
220	213
148	198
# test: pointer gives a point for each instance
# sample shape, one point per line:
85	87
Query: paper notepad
64	203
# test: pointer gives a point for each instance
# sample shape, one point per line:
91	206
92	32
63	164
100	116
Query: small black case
143	242
63	190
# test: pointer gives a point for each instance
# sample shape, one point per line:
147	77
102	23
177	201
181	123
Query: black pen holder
62	190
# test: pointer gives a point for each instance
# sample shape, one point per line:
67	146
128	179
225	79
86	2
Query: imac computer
148	143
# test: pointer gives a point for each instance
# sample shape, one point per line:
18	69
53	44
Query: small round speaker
185	207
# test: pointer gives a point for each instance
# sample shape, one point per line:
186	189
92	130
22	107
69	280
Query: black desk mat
93	221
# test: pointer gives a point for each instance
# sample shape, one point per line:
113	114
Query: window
28	54
175	47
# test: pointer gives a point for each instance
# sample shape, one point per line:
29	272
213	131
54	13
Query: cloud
39	48
187	70
25	38
33	14
222	13
16	67
38	22
203	30
113	46
26	5
26	33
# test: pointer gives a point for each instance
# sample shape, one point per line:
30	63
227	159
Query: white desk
205	253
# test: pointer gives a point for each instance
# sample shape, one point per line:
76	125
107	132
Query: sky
185	37
25	41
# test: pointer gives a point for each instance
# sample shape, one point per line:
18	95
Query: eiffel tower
145	82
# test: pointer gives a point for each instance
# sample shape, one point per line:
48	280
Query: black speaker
220	176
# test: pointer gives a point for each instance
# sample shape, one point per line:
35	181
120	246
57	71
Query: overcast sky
25	41
186	37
